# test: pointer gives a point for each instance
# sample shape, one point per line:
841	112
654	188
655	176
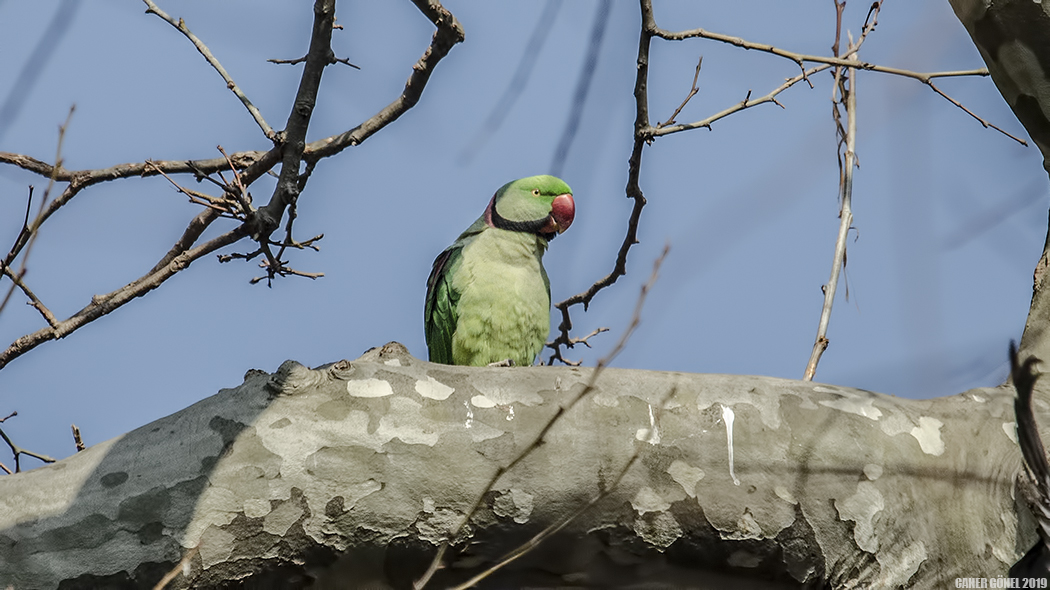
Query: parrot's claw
502	363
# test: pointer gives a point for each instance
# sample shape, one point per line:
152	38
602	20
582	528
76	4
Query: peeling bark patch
647	500
112	480
659	530
369	388
900	565
434	389
784	494
854	405
215	546
393	362
872	471
282	517
746	528
405	422
481	401
928	433
280	423
435	526
1010	428
686	475
861	508
515	504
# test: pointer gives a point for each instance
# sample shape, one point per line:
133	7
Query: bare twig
633	189
562	410
986	124
449	32
180	25
747	103
801	58
79	442
223	207
572	342
692	92
19	451
845	217
21	234
33	300
180	568
543	535
299	60
11	415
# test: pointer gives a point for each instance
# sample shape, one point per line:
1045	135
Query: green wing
439	314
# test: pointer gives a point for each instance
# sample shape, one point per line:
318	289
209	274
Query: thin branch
986	124
180	25
543	535
33	299
181	567
633	189
19	451
845	219
801	58
449	32
562	410
104	304
692	92
7	260
299	60
747	103
79	442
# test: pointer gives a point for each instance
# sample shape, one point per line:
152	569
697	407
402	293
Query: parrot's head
541	205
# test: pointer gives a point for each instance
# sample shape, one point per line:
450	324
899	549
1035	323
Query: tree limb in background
583	87
517	82
248	165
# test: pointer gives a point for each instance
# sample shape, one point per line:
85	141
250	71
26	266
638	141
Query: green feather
488	295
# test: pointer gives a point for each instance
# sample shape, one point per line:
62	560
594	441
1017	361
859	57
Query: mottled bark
352	474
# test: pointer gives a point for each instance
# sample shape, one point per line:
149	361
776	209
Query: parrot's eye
535	192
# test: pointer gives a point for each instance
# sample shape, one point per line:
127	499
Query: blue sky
950	217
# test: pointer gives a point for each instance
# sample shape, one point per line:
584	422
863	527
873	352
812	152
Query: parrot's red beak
563	211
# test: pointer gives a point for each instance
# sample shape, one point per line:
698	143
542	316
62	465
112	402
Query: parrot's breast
504	305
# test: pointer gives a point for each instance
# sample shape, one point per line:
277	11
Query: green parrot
488	296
